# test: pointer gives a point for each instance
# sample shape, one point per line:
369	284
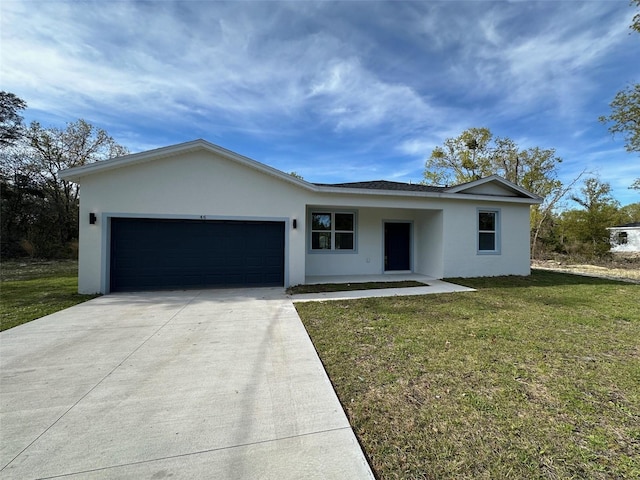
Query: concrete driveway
198	384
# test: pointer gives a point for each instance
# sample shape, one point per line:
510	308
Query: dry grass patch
617	266
529	377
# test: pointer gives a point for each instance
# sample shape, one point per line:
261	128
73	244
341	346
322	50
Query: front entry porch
382	240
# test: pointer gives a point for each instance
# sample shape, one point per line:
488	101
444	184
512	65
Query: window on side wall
488	231
623	238
333	231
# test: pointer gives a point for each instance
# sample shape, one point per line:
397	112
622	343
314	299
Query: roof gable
493	185
76	174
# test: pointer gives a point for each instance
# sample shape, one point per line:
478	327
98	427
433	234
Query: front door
397	246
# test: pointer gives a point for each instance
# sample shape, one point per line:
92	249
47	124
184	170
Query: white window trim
332	250
496	232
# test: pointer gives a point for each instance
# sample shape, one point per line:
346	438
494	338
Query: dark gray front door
397	246
152	254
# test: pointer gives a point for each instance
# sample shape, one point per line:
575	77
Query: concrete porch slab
432	286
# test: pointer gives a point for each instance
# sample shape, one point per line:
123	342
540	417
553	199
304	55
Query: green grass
30	290
344	287
529	377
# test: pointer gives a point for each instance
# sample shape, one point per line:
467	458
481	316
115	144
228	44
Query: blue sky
336	91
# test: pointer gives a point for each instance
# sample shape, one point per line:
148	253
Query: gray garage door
151	254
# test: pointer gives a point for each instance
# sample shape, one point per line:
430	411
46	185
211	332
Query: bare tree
38	207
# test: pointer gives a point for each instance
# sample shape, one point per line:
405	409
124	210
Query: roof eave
77	173
438	195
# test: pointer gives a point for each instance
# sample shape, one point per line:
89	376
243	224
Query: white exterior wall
633	239
444	238
197	184
461	257
430	243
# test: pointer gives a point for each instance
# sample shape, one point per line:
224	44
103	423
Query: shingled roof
385	185
628	225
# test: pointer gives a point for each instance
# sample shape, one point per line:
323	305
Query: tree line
39	210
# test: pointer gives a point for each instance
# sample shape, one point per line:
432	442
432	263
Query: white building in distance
625	238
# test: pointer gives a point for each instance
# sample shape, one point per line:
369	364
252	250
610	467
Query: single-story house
197	215
625	238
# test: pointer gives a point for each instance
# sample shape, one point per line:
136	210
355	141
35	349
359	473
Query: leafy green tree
625	110
625	116
543	221
10	120
18	200
635	24
630	213
625	119
586	228
21	206
476	153
464	158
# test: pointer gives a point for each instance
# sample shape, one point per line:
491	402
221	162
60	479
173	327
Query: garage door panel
271	261
255	261
149	254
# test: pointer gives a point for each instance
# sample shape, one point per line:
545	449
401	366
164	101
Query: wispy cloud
373	84
526	61
236	70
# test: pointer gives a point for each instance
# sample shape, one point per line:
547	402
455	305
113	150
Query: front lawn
30	290
529	377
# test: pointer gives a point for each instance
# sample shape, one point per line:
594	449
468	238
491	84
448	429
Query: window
622	238
488	239
332	231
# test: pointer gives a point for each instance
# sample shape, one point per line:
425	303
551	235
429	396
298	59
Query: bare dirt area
624	267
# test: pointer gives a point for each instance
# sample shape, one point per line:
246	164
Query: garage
157	254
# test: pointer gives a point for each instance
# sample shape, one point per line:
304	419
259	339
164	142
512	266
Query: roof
493	179
377	187
628	225
385	185
77	173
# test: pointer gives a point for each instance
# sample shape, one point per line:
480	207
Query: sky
335	91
